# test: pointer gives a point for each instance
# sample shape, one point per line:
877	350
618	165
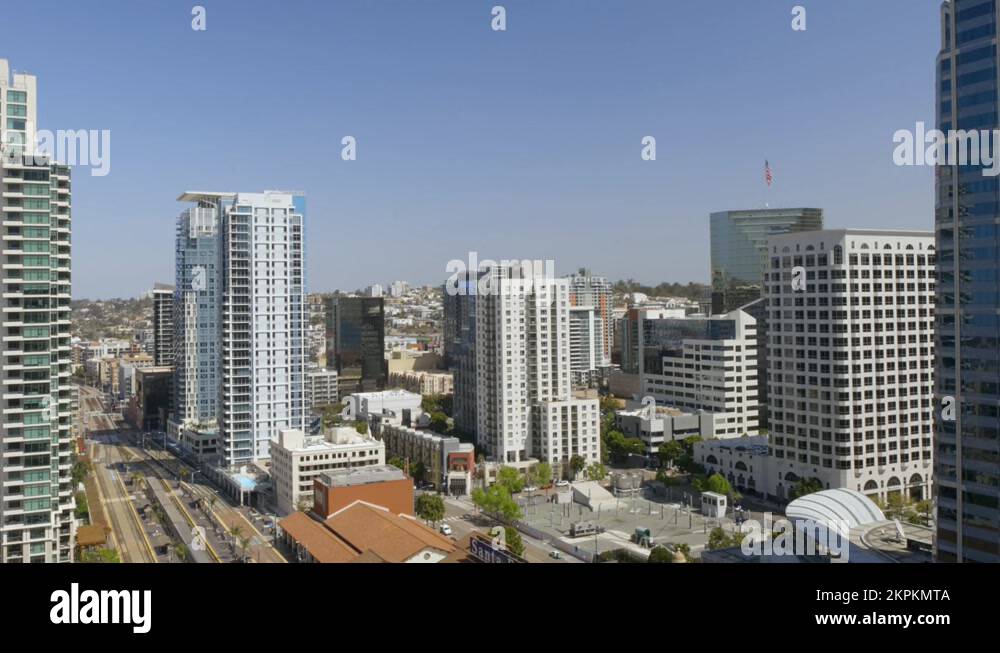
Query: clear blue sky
516	144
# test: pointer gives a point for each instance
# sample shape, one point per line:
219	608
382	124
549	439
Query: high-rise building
850	360
525	407
698	363
739	250
197	313
588	290
459	303
355	342
968	333
586	344
36	491
163	324
240	321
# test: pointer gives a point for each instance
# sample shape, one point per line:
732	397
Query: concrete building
37	523
297	459
702	364
382	485
850	359
321	388
127	367
739	250
424	383
449	462
966	212
664	424
746	463
586	345
525	406
163	324
587	290
362	405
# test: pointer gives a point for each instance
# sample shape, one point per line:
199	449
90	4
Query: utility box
713	505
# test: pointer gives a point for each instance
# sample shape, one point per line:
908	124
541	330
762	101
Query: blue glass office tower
968	295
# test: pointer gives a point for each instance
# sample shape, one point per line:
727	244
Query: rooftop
361	475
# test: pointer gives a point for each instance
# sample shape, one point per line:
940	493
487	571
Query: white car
562	483
531	488
445	529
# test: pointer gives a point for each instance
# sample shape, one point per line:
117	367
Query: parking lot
669	522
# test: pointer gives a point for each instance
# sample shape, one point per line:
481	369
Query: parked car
562	483
531	488
446	529
555	555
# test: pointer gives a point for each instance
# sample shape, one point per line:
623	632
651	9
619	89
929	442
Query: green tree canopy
430	507
543	473
511	479
804	487
660	554
596	472
497	500
513	539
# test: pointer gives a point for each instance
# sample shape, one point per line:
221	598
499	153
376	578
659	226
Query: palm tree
181	552
236	533
244	543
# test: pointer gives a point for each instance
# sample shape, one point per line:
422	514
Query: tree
79	472
82	510
576	464
596	472
396	461
718	538
805	486
670	452
439	422
543	473
513	540
511	479
717	483
361	427
418	472
496	500
430	507
660	554
99	555
181	552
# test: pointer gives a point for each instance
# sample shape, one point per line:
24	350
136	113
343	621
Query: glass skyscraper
968	295
355	342
739	250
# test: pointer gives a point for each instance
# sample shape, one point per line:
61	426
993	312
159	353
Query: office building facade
739	250
355	342
850	360
699	363
968	332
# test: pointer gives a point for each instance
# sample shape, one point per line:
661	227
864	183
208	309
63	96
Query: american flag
768	177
